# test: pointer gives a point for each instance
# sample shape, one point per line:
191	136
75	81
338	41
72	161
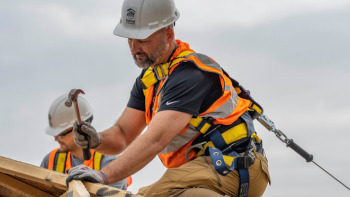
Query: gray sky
293	56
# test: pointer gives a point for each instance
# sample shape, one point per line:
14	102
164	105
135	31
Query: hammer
73	97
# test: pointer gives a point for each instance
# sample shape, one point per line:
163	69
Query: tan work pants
190	179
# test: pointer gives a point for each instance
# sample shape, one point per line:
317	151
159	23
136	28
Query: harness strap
254	109
160	71
239	163
243	182
217	139
201	124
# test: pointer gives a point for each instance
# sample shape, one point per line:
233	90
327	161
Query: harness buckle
156	74
199	146
244	162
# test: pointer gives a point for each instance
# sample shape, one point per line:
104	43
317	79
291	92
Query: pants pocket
264	166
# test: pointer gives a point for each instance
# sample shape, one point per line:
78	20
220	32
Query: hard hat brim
133	33
139	33
55	131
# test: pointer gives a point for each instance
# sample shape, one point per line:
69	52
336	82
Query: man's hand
94	139
85	173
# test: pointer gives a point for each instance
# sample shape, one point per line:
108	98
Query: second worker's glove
94	139
85	173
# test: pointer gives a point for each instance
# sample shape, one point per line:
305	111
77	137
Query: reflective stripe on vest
226	110
61	161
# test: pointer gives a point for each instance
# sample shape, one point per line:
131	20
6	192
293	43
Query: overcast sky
294	57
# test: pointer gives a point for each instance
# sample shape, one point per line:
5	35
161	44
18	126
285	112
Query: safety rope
331	175
269	125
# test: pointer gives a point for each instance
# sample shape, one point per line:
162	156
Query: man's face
147	52
66	142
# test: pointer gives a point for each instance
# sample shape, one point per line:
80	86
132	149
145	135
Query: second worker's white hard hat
141	18
62	118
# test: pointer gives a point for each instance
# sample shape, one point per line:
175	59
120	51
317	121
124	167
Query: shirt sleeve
137	98
106	160
45	162
190	90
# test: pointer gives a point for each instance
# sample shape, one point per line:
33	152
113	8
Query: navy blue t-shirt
188	89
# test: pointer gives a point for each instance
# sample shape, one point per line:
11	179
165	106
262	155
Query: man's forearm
163	128
138	155
113	141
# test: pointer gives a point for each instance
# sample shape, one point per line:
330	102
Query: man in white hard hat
197	116
68	155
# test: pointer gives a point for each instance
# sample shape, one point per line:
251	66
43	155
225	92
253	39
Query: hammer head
72	96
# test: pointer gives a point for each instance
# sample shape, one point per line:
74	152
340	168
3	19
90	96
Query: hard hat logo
130	17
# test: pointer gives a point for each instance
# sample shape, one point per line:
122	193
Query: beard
150	58
65	147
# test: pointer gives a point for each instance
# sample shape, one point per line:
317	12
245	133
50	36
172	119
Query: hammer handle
86	151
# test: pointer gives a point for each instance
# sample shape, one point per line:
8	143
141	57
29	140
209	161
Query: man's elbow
118	148
160	144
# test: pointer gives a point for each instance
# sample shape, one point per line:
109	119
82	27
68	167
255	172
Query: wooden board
14	187
21	179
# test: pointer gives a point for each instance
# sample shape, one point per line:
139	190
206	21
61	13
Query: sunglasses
65	133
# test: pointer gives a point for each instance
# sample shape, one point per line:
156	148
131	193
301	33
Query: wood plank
34	173
78	189
53	182
96	190
48	189
20	187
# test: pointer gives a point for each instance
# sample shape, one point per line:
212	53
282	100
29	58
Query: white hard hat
141	18
62	118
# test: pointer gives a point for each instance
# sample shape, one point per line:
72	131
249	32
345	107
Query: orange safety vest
225	110
63	162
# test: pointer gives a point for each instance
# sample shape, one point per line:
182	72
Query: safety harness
223	143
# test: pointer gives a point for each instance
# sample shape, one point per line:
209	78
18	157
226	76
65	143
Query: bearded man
196	122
